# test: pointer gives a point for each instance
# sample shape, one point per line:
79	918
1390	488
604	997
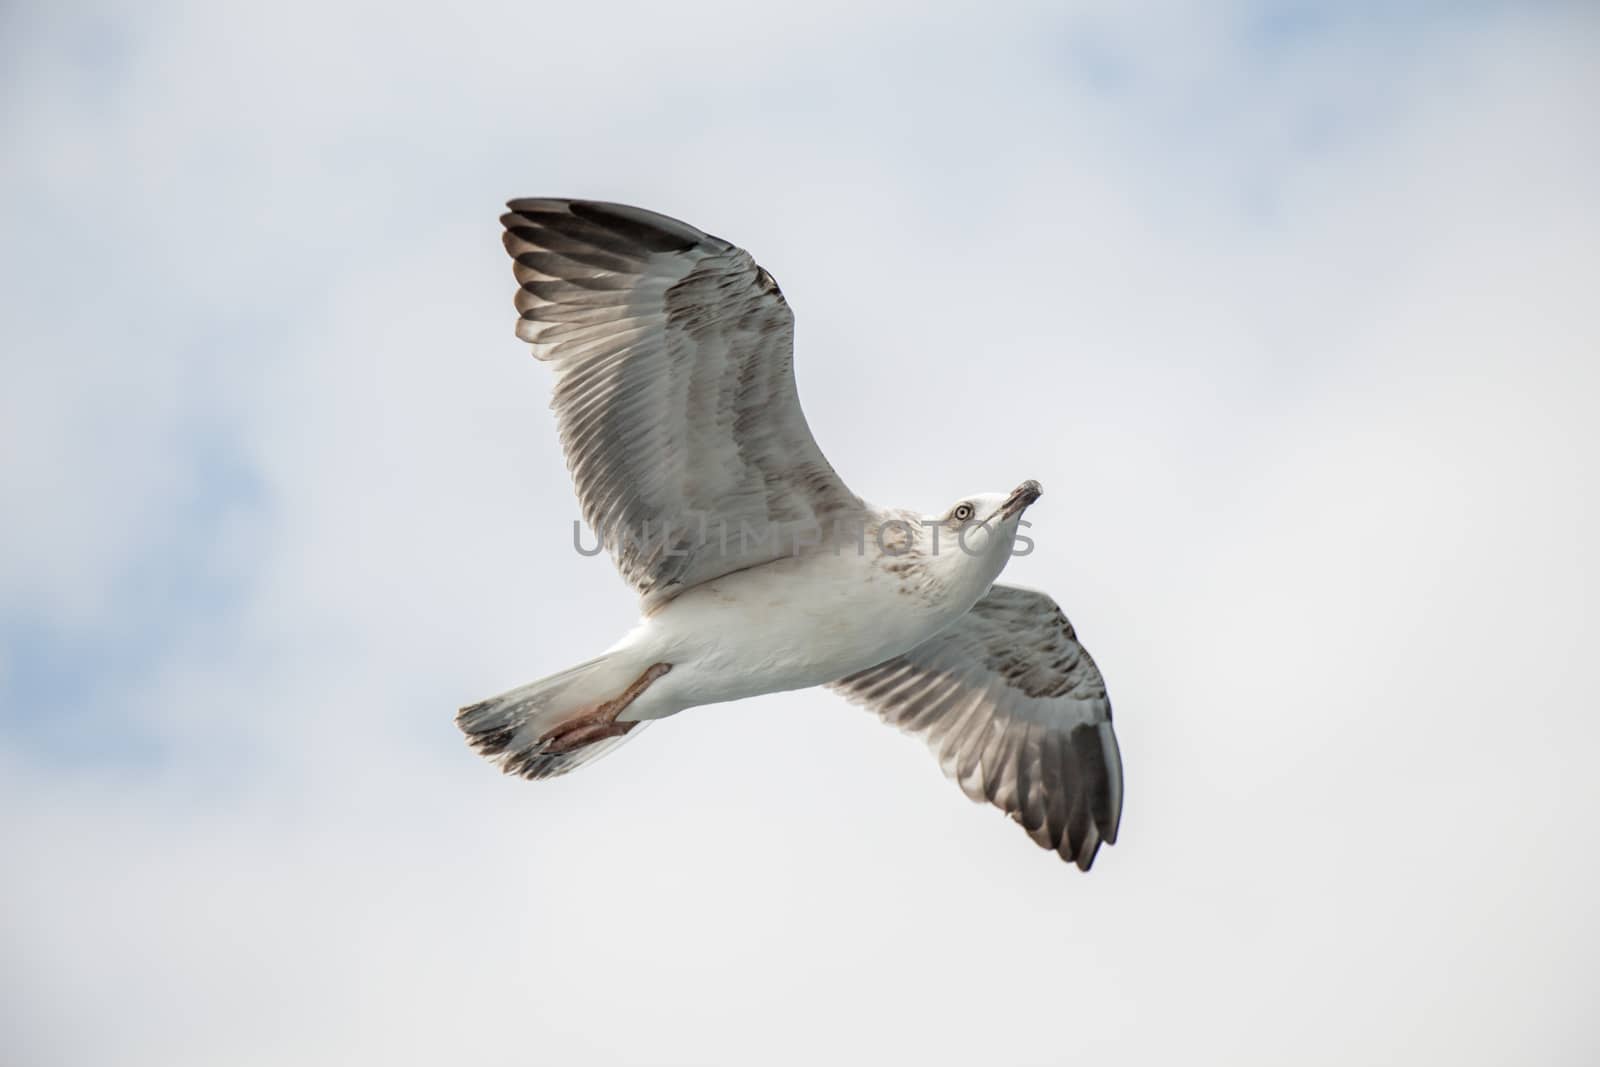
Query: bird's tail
557	724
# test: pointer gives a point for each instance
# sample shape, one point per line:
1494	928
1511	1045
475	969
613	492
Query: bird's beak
1021	497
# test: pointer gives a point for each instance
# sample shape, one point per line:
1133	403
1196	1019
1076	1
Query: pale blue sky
1292	306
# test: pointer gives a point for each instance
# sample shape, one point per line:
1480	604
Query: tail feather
511	729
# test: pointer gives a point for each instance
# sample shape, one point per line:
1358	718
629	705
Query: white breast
790	624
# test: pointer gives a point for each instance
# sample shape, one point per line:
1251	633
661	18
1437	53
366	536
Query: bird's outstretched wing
674	392
1016	712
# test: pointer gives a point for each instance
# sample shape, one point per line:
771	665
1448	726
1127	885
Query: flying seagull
759	570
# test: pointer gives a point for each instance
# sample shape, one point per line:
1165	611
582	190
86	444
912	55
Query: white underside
786	625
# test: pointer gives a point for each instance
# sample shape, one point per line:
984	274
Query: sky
1290	308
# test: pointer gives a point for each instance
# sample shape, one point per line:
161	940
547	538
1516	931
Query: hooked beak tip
1022	496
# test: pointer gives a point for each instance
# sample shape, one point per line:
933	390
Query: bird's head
977	532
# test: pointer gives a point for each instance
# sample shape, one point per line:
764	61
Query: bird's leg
601	722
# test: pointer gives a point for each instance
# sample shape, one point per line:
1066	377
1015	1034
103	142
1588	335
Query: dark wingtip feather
648	230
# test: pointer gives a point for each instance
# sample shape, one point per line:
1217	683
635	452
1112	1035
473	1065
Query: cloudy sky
1292	313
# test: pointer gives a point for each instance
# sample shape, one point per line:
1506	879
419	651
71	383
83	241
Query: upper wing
674	391
1017	713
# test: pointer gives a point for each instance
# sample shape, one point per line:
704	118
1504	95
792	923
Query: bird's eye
962	513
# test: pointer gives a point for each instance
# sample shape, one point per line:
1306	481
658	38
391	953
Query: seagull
758	569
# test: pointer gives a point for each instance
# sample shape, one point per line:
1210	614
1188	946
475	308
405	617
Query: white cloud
1311	415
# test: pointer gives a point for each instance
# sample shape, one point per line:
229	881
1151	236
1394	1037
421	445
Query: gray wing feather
1016	712
674	394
